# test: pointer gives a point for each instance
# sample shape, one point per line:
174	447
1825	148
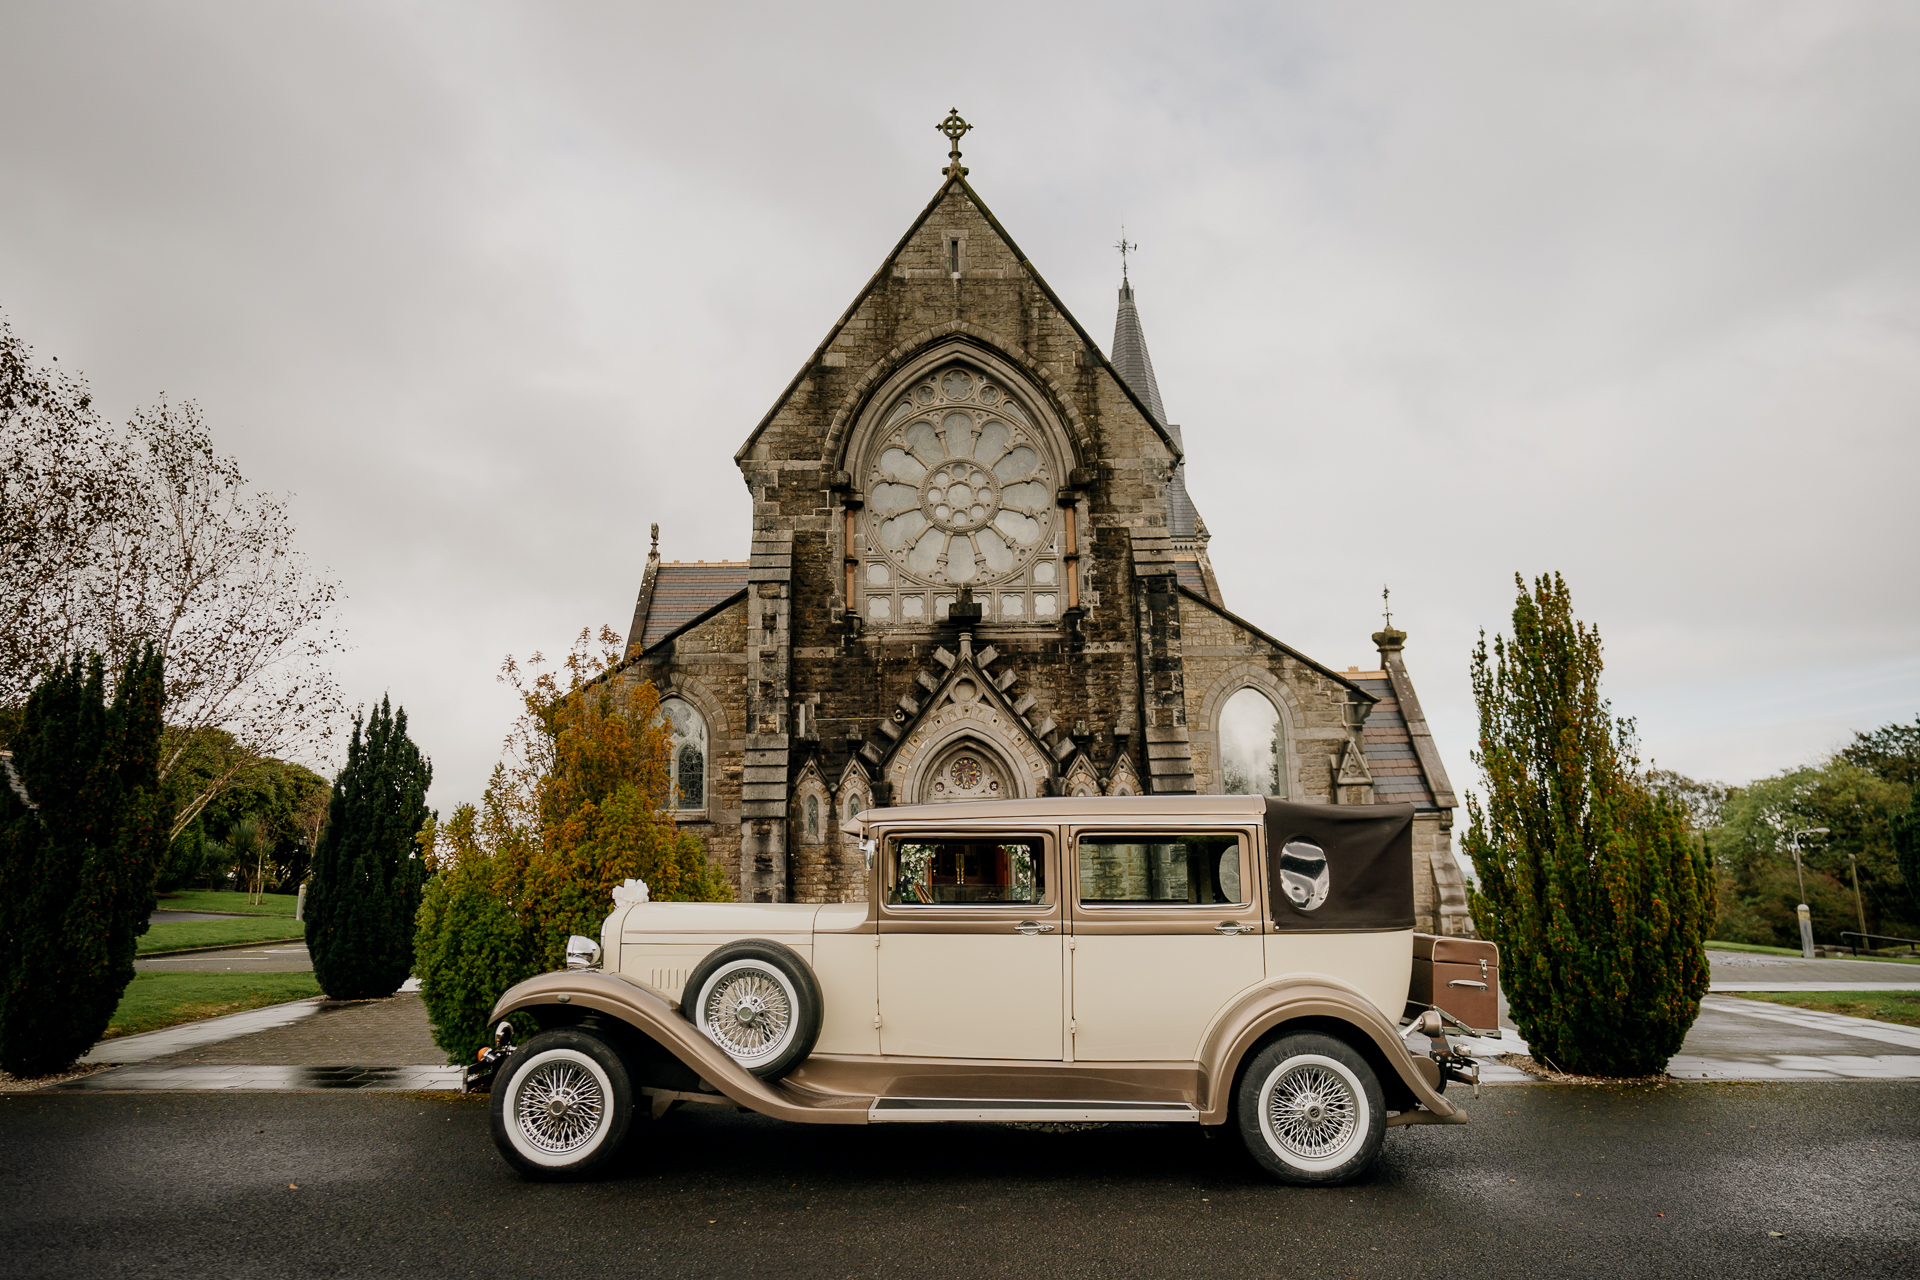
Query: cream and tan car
1202	960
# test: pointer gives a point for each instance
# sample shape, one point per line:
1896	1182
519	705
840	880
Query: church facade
976	572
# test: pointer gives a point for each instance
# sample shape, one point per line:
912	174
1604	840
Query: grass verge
1902	1007
1795	952
156	1000
276	904
183	935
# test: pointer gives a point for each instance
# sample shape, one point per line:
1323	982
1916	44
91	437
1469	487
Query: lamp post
1805	913
1859	907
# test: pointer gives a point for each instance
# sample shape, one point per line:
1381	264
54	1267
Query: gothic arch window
688	761
961	474
1253	747
813	817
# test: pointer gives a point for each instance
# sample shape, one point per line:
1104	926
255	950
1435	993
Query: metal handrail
1870	937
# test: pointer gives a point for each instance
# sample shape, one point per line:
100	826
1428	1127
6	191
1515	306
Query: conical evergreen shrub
1596	890
367	872
83	830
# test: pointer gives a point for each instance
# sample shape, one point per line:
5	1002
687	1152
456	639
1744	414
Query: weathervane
1386	605
955	128
1125	248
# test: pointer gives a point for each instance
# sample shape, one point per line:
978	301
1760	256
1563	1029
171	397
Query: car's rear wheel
1310	1110
759	1002
562	1105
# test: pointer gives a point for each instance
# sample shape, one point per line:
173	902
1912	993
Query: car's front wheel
562	1105
1311	1110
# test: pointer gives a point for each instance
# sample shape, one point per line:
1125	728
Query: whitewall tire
561	1105
759	1001
1310	1110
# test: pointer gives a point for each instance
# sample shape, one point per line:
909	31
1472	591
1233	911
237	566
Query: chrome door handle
1468	982
1229	928
1030	928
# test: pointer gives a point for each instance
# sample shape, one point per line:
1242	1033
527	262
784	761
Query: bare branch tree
156	537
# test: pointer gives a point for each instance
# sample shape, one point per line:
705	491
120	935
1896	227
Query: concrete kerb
228	946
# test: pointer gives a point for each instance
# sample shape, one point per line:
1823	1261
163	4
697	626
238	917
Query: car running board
1037	1111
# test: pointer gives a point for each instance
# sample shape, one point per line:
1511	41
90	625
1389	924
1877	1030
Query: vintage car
1204	960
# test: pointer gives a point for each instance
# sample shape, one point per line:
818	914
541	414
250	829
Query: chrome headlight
582	952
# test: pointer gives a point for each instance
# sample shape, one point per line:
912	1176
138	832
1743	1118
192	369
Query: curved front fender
658	1018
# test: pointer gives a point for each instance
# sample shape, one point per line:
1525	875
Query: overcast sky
1438	292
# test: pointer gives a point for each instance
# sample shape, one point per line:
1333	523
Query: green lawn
276	904
1882	1006
155	1000
184	935
1794	951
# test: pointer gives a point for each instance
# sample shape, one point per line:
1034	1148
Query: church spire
1130	343
1136	366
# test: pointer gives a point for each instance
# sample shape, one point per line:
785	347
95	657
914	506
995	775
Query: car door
970	945
1166	928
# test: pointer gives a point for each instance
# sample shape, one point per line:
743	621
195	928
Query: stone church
976	572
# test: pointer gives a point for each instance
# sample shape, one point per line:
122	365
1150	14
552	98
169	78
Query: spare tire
759	1001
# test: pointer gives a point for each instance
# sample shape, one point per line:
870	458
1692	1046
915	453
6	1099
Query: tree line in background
1863	795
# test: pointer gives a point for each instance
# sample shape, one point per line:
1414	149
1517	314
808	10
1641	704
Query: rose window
961	491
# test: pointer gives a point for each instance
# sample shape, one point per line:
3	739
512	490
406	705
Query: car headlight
582	952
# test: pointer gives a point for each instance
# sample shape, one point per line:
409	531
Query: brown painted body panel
658	1018
1460	976
1266	1008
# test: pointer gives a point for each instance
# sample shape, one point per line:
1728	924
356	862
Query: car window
1160	867
988	871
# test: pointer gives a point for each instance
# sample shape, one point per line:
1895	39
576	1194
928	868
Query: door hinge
876	1021
1069	942
1073	1028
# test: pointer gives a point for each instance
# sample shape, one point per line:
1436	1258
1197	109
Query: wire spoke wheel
1311	1111
560	1106
748	1013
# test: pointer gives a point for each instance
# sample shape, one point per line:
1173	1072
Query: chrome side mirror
582	952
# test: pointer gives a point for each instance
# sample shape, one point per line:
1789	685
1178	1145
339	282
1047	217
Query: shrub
367	873
83	828
1592	884
581	808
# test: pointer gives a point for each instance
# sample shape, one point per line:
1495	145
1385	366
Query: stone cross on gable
955	128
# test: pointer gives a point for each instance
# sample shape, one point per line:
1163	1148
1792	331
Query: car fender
1249	1019
653	1015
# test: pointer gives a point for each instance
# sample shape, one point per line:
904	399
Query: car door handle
1031	927
1230	928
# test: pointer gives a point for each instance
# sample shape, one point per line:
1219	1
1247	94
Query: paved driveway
1547	1181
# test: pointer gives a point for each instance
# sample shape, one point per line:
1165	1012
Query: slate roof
1393	756
1135	367
682	592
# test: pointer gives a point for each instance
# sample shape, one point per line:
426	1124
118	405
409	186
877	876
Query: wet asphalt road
1547	1181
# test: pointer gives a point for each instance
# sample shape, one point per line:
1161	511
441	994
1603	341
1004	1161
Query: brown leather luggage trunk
1460	976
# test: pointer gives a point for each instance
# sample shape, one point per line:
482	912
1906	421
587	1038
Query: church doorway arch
967	770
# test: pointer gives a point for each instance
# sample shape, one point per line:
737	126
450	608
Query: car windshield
1160	867
990	872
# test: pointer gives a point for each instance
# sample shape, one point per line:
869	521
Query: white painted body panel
847	967
1149	998
661	942
1377	965
971	995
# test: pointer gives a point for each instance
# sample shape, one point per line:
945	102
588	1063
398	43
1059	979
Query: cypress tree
1595	888
83	830
367	872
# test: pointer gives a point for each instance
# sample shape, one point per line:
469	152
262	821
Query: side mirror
582	952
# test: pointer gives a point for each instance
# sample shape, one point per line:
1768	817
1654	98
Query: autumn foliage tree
580	805
1591	881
